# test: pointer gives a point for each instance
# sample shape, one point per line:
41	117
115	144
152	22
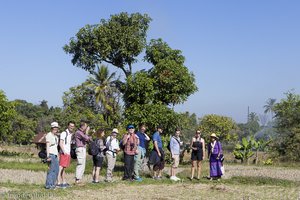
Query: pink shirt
131	144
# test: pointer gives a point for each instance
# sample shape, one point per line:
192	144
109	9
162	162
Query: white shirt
67	146
112	145
53	142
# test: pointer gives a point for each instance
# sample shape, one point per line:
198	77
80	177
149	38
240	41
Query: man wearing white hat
112	148
51	149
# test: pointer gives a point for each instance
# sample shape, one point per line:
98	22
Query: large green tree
223	126
7	114
287	118
119	42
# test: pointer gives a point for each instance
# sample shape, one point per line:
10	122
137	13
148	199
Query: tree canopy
224	127
120	41
287	118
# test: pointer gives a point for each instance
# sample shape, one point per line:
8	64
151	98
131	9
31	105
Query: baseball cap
130	126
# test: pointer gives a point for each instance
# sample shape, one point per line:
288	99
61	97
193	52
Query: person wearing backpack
81	138
98	155
130	142
64	154
112	148
157	156
138	158
175	144
198	153
52	153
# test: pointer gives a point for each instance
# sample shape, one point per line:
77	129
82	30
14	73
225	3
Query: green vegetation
287	115
224	127
147	94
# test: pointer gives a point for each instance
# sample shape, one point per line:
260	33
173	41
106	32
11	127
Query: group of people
133	144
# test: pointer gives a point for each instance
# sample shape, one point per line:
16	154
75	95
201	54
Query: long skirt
215	166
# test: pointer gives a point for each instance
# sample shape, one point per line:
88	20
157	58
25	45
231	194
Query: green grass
258	181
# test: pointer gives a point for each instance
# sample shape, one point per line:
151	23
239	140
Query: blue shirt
142	139
156	137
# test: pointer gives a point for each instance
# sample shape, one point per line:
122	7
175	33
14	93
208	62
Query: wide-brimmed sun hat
214	135
115	130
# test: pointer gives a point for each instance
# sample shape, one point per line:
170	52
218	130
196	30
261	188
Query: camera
131	146
44	161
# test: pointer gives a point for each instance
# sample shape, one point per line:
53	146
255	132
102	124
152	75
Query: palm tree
102	83
269	107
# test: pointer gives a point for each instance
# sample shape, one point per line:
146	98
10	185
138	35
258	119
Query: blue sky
241	52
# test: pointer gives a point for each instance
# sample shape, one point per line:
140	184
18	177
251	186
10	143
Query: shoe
62	186
173	178
139	179
66	185
178	179
95	181
51	188
191	178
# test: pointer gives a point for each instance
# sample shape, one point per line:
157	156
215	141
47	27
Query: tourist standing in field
81	138
52	153
198	152
112	148
98	159
157	157
130	142
64	154
175	144
139	158
215	155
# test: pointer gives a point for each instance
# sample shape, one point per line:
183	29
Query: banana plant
243	151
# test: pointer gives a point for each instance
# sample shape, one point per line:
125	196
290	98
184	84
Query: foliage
7	114
269	107
147	95
23	130
224	127
253	124
188	124
78	104
106	94
118	41
287	116
243	151
172	80
269	161
152	115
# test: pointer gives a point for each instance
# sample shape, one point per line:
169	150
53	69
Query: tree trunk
256	157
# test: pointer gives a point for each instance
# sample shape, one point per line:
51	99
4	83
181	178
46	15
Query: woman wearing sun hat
215	154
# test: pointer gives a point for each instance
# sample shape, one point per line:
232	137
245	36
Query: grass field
23	177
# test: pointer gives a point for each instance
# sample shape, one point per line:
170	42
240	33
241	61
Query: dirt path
32	177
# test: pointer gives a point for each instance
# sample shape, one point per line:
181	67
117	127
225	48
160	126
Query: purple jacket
81	138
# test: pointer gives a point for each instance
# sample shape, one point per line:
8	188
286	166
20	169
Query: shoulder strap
66	136
176	140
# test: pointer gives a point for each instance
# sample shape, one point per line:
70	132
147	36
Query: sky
241	52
